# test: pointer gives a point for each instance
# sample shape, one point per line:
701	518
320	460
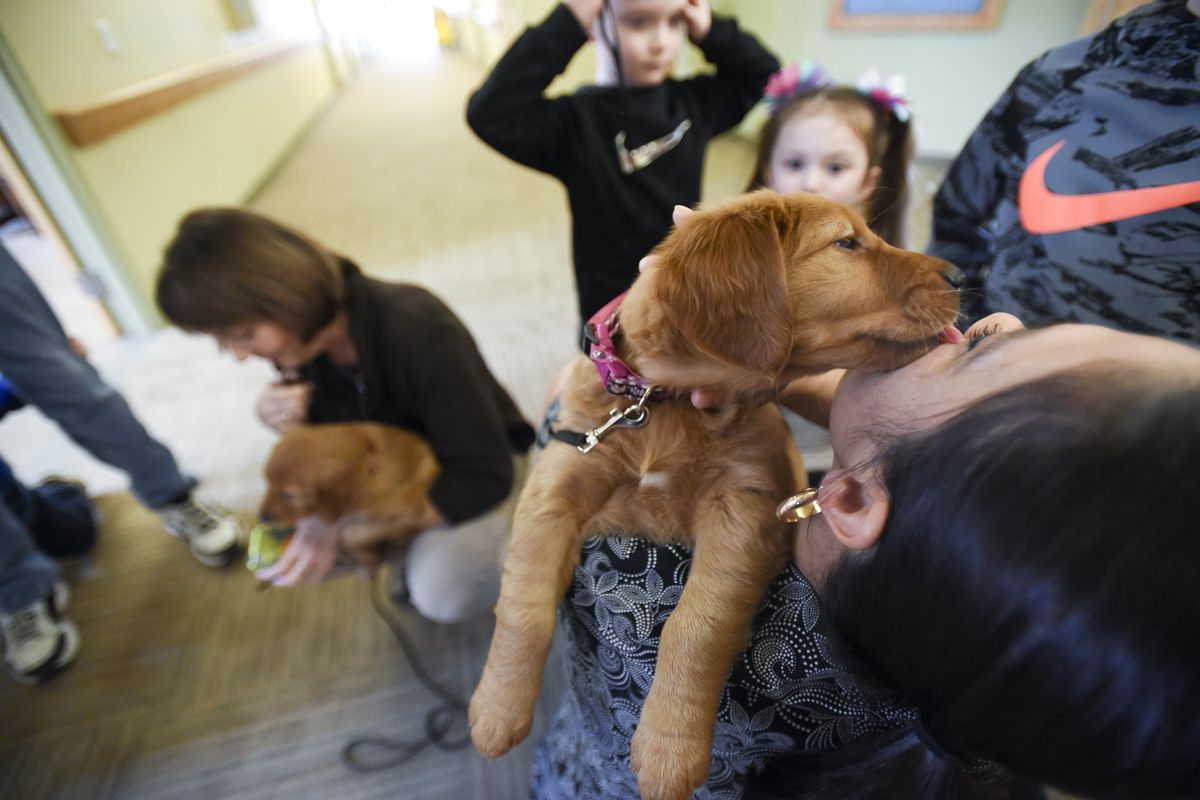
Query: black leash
573	438
372	753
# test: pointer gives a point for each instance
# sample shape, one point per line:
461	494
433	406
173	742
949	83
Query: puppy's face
311	471
759	291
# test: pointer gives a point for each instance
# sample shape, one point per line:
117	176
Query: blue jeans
37	359
13	493
25	574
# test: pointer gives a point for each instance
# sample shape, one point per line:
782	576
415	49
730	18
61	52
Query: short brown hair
228	266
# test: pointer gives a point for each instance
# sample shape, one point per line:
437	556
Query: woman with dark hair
1008	541
975	611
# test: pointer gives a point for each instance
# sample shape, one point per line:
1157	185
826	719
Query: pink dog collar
615	374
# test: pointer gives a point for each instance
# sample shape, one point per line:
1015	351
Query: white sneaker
38	642
213	537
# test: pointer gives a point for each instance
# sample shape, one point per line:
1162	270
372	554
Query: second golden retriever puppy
379	474
744	296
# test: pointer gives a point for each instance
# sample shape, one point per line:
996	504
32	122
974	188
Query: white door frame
42	155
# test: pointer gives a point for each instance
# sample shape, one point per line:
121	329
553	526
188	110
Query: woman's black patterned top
786	694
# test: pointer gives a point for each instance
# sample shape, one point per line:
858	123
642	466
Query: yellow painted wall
484	45
212	149
953	76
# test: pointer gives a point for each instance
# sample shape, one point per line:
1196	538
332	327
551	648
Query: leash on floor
371	753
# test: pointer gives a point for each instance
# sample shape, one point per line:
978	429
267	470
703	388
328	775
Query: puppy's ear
722	281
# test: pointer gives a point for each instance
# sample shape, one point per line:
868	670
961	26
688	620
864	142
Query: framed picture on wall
914	14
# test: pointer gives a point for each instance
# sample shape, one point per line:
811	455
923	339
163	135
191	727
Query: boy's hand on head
586	11
698	16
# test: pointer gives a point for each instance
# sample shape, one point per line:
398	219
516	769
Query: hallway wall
212	149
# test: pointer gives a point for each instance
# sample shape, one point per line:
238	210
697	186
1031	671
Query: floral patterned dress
786	694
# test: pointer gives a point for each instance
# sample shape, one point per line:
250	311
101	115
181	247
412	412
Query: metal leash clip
633	416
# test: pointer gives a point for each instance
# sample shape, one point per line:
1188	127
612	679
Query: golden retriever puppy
745	296
376	473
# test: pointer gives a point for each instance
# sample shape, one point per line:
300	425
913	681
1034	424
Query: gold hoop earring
799	506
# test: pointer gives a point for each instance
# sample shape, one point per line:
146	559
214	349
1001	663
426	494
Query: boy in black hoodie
630	147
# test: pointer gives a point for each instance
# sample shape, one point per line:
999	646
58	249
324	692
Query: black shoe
63	520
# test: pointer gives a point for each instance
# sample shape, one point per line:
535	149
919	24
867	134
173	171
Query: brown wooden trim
123	108
983	19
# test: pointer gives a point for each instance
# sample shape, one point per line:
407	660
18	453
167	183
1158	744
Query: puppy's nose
263	516
954	276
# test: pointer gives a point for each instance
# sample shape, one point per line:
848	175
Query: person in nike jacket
1078	196
632	146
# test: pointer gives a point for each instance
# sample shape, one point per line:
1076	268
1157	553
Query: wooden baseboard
133	104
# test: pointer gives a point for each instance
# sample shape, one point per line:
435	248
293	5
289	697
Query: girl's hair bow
888	92
795	80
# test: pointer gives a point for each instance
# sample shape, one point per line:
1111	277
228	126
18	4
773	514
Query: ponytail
892	151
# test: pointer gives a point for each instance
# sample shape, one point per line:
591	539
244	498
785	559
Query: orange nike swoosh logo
1043	211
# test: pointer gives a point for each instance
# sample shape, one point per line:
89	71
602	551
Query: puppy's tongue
950	335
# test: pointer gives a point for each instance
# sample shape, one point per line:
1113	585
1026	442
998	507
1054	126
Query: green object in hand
266	545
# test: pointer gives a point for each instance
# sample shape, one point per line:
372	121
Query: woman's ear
870	184
855	507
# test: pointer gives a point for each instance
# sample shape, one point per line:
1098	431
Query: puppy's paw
498	724
669	766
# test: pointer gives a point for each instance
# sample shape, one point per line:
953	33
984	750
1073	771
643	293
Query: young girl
852	144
